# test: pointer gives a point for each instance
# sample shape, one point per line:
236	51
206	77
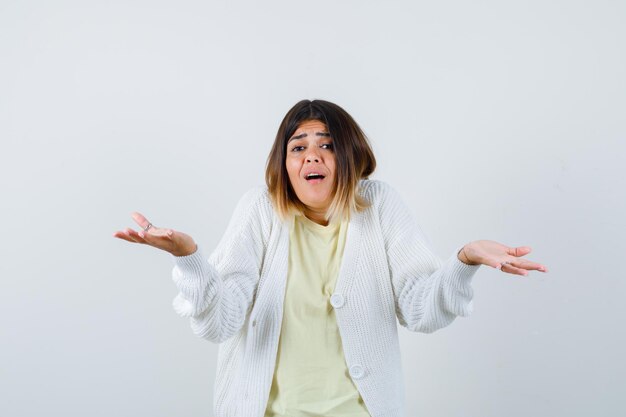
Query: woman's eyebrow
304	135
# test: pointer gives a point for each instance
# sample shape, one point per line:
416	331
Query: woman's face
310	164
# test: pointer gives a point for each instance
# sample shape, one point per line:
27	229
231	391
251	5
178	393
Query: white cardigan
387	271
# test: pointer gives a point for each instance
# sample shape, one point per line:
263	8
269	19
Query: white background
494	120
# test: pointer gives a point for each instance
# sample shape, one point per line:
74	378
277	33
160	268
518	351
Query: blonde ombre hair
354	160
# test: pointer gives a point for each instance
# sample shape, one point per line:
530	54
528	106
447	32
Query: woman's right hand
176	243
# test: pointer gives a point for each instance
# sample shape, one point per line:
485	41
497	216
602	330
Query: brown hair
354	159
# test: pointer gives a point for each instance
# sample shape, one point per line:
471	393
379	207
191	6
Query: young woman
304	289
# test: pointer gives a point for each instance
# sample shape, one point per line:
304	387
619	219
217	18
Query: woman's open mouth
314	178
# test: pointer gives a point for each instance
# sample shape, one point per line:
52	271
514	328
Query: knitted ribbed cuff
191	265
197	282
461	274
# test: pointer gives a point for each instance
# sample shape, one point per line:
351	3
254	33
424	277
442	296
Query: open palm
169	240
503	257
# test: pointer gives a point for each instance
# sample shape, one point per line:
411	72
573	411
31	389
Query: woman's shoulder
375	190
258	194
254	202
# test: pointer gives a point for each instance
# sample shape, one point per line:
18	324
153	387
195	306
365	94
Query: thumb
519	251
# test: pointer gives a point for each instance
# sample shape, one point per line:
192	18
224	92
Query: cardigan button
356	371
337	300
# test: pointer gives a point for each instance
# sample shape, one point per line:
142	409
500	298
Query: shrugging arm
429	293
217	293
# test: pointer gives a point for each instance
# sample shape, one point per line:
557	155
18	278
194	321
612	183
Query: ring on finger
145	229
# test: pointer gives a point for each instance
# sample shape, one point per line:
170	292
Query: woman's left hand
499	256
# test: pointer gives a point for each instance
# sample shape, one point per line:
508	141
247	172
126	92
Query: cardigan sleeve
217	293
429	293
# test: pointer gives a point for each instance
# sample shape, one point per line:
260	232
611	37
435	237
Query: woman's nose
312	156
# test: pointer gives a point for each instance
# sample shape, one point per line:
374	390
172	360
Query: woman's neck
318	216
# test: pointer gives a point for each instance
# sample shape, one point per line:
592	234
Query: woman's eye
301	148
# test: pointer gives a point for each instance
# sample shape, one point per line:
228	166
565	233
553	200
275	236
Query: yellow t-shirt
311	377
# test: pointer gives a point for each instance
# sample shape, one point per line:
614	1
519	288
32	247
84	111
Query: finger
528	265
160	232
141	220
519	251
156	235
134	235
508	268
123	236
